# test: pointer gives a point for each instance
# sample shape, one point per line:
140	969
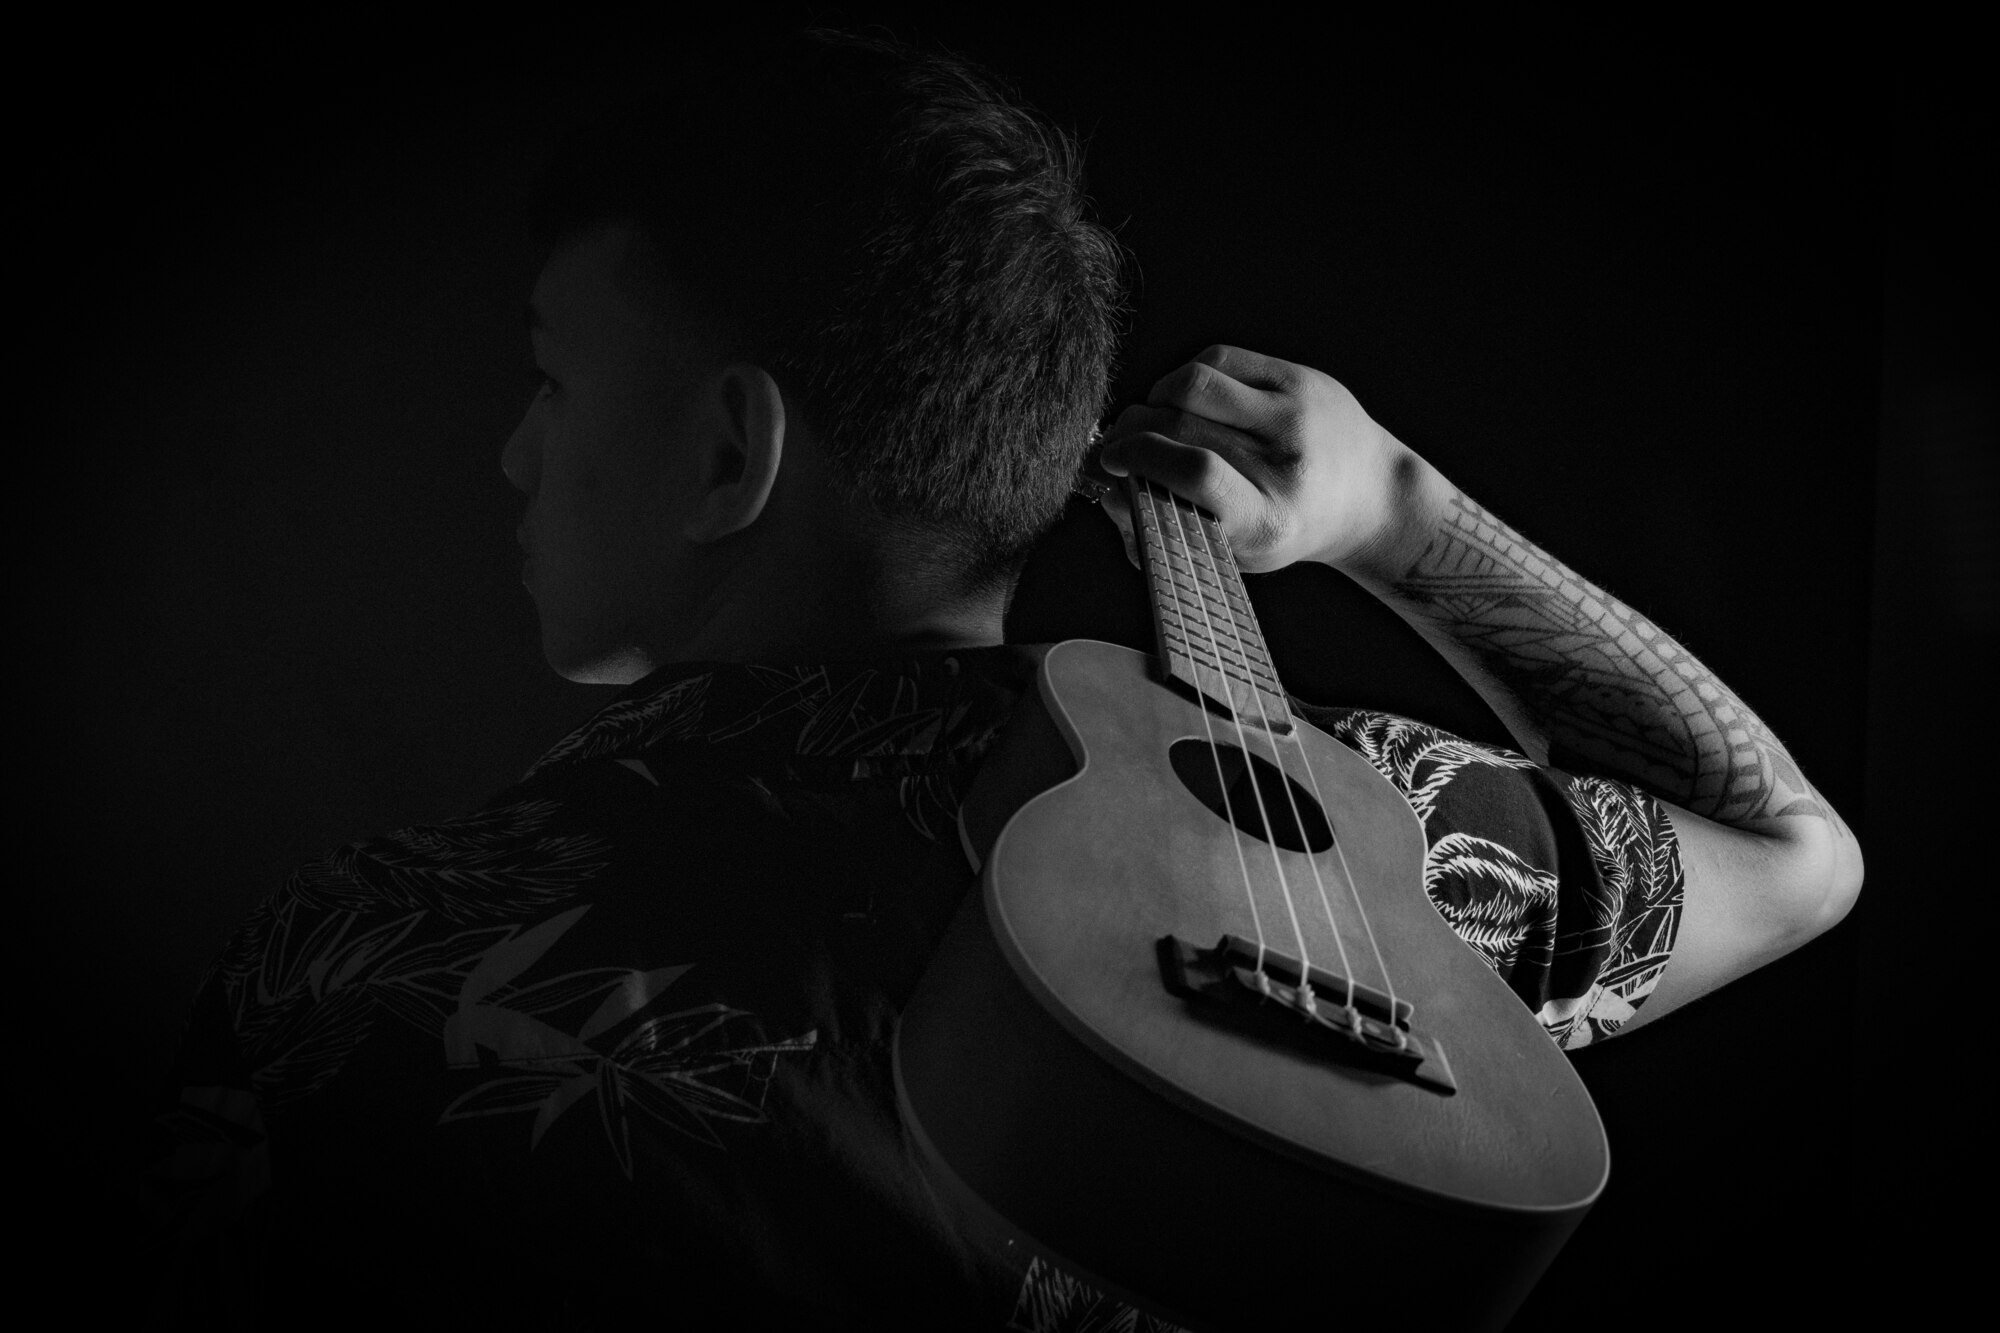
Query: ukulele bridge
1327	1016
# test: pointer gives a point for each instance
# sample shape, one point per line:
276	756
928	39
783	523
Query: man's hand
1296	470
1281	453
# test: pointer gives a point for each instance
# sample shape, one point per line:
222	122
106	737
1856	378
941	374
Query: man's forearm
1295	469
1580	678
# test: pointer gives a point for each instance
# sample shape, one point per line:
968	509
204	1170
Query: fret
1195	637
1196	595
1204	627
1232	664
1231	613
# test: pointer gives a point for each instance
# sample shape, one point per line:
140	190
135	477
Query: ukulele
1201	1038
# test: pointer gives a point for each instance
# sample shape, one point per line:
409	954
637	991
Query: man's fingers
1238	448
1227	432
1253	369
1204	390
1189	471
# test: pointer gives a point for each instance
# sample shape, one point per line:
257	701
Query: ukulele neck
1204	631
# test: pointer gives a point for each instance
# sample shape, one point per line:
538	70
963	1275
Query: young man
822	341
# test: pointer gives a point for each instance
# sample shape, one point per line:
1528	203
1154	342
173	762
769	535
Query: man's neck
827	610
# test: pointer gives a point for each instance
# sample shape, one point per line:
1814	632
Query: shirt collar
853	715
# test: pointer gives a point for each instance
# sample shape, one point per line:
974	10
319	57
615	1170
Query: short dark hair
906	247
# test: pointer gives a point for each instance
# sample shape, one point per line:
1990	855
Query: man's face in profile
604	454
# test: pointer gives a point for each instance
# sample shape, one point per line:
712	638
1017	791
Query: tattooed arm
1296	470
1576	674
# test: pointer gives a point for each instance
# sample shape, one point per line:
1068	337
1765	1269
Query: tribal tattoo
1608	686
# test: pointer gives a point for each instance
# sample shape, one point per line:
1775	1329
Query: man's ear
746	451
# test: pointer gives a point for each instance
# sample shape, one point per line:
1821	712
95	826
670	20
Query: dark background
1704	325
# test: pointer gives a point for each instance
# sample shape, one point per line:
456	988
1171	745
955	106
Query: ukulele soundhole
1254	788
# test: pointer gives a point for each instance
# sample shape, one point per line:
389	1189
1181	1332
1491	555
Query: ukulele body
1225	1166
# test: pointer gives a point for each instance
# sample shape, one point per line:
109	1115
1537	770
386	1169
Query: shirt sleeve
1569	886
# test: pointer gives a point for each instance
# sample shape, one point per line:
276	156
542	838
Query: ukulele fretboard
1205	633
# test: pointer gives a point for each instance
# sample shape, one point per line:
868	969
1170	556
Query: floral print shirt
617	1043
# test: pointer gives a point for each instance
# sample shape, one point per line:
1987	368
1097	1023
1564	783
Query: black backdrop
1632	300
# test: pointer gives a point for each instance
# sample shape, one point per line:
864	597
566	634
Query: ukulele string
1304	991
1354	891
1215	562
1208	725
1305	760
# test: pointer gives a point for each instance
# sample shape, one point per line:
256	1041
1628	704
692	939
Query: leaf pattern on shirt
1639	884
672	712
355	936
1497	902
1420	760
497	862
324	979
1053	1301
306	985
846	724
684	1070
1506	908
679	1084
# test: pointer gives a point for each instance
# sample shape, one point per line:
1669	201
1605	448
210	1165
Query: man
821	342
